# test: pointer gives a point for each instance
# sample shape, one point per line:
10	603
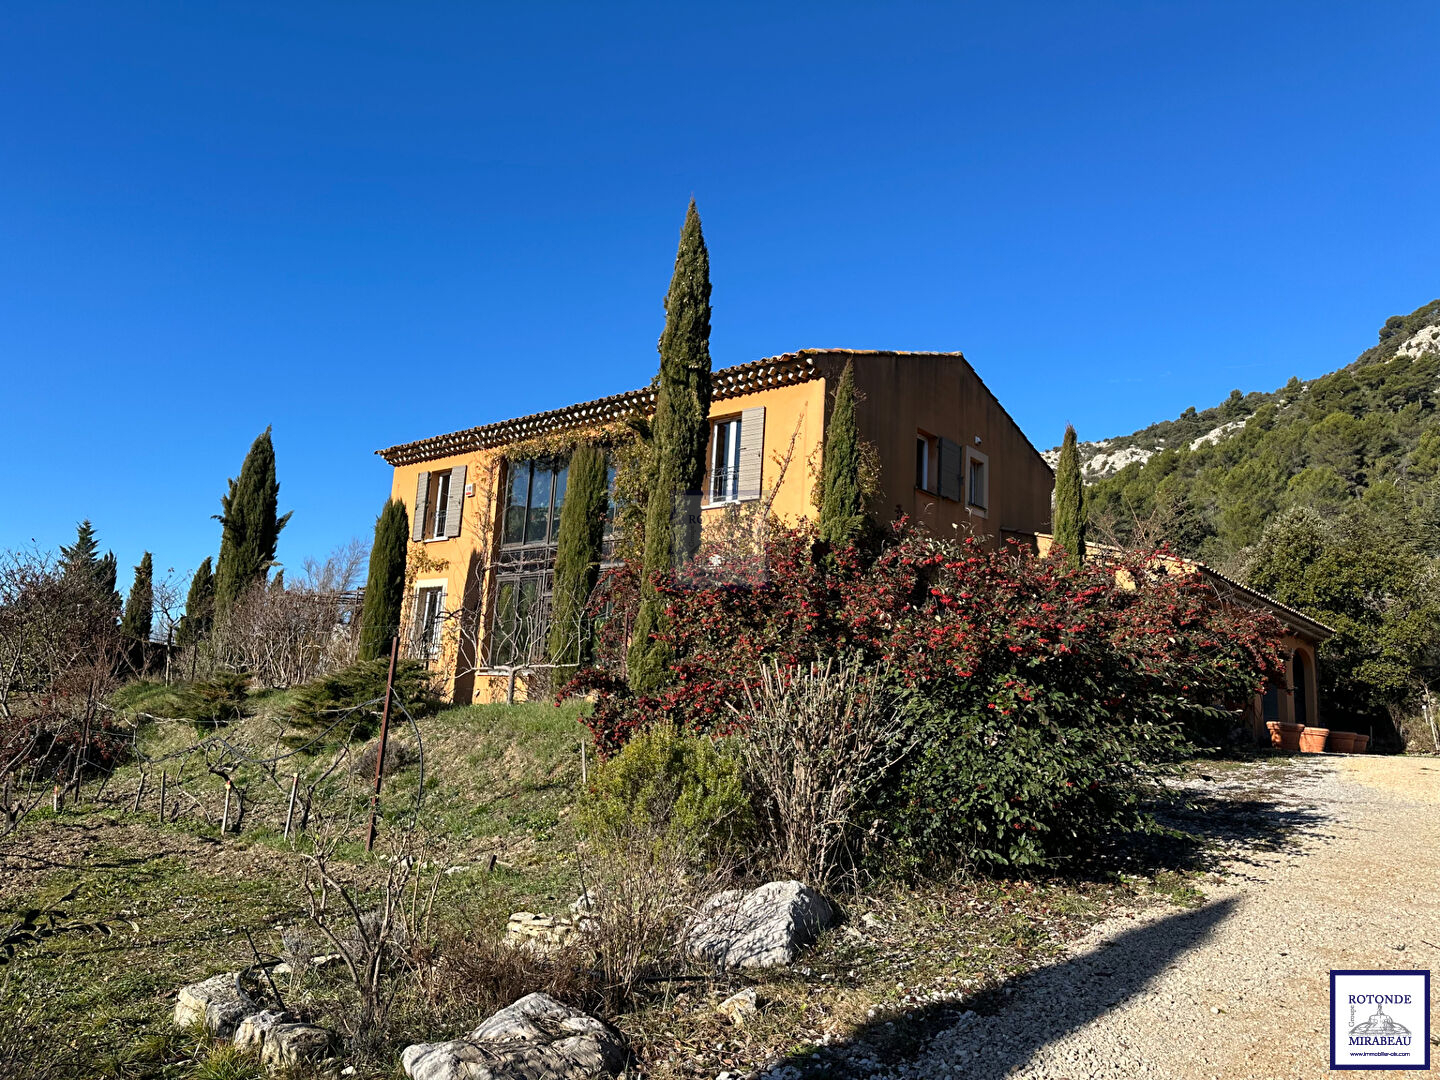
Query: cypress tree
1070	501
842	507
199	606
577	554
139	614
250	529
385	587
680	432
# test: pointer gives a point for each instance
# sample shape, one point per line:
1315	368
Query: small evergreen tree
250	528
385	587
199	606
842	507
680	432
139	615
577	554
1070	501
82	561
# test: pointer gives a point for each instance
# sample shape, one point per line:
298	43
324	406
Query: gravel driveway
1237	987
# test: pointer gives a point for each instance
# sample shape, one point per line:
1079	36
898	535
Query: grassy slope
498	781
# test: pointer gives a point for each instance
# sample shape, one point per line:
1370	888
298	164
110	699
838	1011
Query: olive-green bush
680	792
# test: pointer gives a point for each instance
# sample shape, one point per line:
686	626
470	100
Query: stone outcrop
537	1038
766	927
218	1004
282	1042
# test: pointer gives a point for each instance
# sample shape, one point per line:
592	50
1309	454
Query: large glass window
532	509
519	498
520	620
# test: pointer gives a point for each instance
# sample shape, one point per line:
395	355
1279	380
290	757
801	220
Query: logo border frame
1425	974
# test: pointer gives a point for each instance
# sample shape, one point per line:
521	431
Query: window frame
927	465
973	458
426	636
440	504
729	473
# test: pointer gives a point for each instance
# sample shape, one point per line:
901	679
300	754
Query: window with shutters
725	461
735	460
439	504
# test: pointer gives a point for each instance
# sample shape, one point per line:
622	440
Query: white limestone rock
537	1038
766	927
218	1004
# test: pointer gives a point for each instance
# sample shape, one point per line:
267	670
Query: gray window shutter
422	496
752	453
951	461
456	505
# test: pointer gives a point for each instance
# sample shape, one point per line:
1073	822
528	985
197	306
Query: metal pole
290	813
225	818
384	735
163	778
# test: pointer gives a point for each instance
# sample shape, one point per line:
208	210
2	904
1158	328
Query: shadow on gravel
1007	1026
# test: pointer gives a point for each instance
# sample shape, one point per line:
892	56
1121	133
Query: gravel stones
536	1038
763	928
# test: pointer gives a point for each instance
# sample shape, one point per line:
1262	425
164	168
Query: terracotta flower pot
1360	744
1284	736
1341	742
1312	740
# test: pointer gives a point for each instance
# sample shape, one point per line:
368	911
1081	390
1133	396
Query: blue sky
366	223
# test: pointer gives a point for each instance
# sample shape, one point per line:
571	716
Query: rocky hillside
1209	480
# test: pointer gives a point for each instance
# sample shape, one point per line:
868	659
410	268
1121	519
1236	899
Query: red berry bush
1045	697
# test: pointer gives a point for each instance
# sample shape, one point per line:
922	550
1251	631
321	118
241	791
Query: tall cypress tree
250	529
842	507
139	614
199	606
577	554
385	587
680	432
1070	501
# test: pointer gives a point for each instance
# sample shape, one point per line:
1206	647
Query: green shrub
220	699
681	792
325	700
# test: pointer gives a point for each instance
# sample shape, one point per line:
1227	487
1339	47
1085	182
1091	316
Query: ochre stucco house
484	523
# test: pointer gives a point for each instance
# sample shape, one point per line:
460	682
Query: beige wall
903	394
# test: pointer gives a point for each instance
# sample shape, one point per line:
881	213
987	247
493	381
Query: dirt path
1238	987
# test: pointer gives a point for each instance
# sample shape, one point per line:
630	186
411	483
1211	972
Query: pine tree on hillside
842	507
385	587
199	606
139	615
250	529
1070	501
577	555
680	432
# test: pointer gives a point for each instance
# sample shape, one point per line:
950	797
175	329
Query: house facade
484	503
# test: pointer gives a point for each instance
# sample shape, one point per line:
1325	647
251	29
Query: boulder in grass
217	1004
282	1042
766	927
537	1038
